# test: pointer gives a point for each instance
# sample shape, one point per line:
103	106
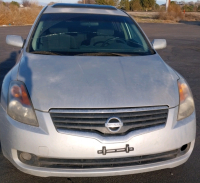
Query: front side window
87	34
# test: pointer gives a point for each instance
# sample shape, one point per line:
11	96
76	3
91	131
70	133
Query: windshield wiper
103	54
45	52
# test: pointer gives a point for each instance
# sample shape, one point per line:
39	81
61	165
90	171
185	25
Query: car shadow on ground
6	65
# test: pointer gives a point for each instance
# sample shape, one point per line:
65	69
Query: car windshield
88	35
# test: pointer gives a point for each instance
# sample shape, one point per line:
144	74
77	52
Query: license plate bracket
104	151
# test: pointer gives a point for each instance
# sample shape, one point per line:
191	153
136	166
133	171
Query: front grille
94	120
99	163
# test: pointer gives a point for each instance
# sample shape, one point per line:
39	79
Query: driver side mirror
159	44
15	40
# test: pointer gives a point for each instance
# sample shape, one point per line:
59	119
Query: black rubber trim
101	162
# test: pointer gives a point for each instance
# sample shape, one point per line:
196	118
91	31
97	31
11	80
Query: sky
45	2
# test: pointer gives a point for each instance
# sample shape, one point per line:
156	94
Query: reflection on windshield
84	34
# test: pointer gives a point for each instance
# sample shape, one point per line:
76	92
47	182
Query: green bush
15	3
188	8
198	8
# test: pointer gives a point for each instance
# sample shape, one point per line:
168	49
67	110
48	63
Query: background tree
198	8
148	4
106	2
124	4
86	2
172	2
127	5
135	5
116	2
26	3
157	7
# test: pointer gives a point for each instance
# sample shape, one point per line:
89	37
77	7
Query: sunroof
92	6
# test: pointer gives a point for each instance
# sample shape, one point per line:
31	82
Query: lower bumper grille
99	163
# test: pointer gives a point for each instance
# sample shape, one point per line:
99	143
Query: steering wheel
111	39
134	42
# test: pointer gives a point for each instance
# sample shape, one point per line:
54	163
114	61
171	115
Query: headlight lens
20	107
186	106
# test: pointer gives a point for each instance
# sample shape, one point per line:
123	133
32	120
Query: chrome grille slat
78	125
116	110
146	123
107	115
102	129
133	119
102	120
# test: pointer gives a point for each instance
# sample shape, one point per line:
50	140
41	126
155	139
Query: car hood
98	81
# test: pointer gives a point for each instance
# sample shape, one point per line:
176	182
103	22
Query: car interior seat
58	40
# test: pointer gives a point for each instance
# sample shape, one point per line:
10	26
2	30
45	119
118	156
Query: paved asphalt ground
182	53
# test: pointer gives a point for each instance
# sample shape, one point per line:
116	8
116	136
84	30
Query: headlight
20	107
186	105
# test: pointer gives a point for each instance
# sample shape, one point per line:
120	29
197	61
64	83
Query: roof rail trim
92	6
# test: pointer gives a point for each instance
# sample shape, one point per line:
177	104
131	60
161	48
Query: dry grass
148	17
192	16
174	13
12	15
163	17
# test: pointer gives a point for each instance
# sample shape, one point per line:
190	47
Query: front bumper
45	141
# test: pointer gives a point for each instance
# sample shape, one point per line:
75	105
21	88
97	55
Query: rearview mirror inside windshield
89	24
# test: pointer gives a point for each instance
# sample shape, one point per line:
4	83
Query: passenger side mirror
15	40
159	44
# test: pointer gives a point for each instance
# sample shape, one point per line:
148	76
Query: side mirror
159	44
14	40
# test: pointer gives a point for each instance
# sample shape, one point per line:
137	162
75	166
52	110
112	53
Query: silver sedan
90	96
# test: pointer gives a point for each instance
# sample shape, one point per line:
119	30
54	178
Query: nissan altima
90	96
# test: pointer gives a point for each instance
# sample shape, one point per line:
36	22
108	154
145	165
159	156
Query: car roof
83	8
